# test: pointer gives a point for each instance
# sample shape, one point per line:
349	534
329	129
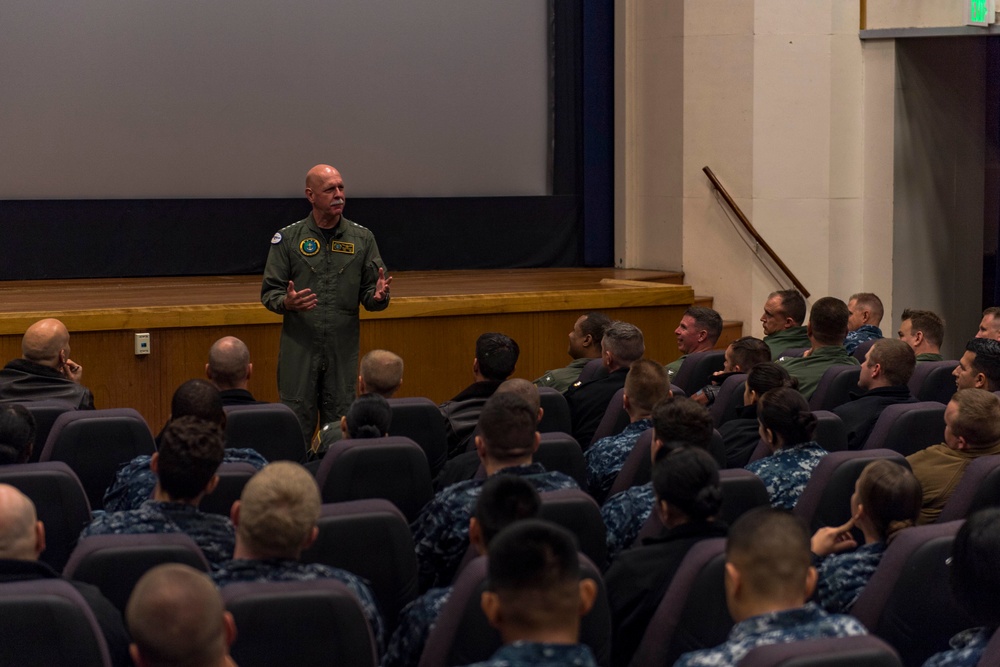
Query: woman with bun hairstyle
787	426
886	500
688	499
740	436
368	417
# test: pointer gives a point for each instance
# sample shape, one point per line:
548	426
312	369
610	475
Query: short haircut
497	355
987	359
368	417
679	419
175	617
927	322
896	358
278	508
768	375
504	499
871	302
792	304
891	495
624	341
707	319
688	479
534	568
594	324
198	398
975	577
189	454
507	425
978	418
748	352
17	433
228	359
646	384
828	320
992	311
382	372
786	412
770	548
523	388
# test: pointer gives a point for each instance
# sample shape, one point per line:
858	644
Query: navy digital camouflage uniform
534	654
318	357
862	334
441	532
843	576
134	481
966	649
280	569
606	457
786	472
779	627
624	514
416	621
212	532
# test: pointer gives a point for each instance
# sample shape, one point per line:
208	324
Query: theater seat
861	651
933	381
272	429
908	427
45	414
979	488
420	420
638	467
697	370
835	387
729	399
232	478
615	418
577	512
555	412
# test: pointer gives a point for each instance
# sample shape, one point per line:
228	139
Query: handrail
753	232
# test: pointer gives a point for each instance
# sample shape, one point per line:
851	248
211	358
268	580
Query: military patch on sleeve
341	246
276	238
309	247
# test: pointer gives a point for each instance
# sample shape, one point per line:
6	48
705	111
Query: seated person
866	314
989	326
827	327
787	426
536	597
676	421
504	499
177	619
135	481
971	430
621	346
888	366
784	313
229	369
275	521
741	355
368	417
979	367
185	464
923	331
645	386
584	347
688	499
45	372
768	581
496	357
506	443
886	501
380	372
17	434
975	583
698	331
740	436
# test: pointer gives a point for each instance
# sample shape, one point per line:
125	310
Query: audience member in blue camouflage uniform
536	597
504	500
645	386
677	421
507	441
190	452
768	580
975	582
862	326
886	500
275	521
135	481
787	426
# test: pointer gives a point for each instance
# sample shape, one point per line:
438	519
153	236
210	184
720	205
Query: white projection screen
109	99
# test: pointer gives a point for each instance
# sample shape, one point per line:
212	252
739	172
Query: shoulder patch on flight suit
343	246
309	246
276	238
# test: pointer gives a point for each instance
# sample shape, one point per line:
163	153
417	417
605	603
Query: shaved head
523	388
18	521
44	340
318	174
325	191
228	363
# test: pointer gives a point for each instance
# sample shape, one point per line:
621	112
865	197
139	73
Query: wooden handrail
753	232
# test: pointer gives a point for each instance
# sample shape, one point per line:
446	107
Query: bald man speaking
45	372
318	272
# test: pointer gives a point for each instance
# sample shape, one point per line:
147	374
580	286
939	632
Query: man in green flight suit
318	271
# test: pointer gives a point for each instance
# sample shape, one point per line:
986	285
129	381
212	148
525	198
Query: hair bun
707	502
368	431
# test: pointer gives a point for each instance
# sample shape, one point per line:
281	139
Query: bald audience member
17	434
924	332
45	371
381	372
229	369
22	540
177	619
866	314
989	326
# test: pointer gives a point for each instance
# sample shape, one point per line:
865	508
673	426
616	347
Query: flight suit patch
341	246
309	247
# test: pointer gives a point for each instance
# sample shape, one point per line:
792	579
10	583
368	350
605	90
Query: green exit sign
980	12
